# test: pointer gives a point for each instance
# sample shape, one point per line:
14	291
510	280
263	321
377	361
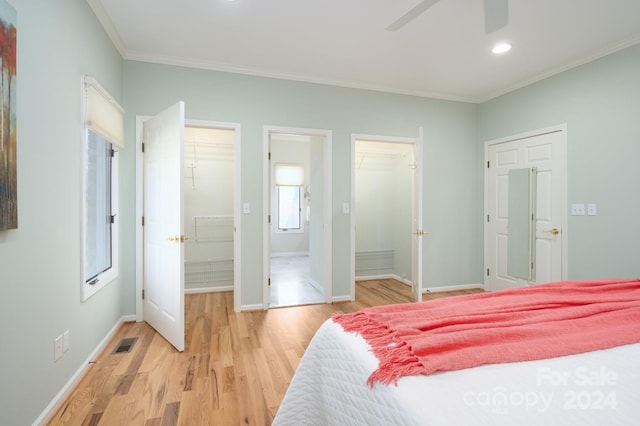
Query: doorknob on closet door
420	232
554	231
178	238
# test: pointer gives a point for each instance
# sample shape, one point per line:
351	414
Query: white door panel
544	152
418	232
163	263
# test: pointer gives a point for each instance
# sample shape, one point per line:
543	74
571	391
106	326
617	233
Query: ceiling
443	53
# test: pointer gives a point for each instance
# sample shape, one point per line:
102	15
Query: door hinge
487	271
142	220
143	294
269	219
112	219
269	282
488	219
112	153
269	156
488	164
142	146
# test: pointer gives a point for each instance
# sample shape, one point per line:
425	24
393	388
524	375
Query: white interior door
545	152
163	264
418	231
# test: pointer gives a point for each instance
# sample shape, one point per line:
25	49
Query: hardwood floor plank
171	413
235	369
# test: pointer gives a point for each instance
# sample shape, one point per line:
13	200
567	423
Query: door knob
178	238
554	231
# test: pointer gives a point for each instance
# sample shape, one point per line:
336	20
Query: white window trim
103	279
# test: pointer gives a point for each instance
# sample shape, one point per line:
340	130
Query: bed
333	384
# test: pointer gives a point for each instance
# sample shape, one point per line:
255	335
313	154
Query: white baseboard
336	299
290	253
385	277
452	287
256	307
66	390
208	290
316	285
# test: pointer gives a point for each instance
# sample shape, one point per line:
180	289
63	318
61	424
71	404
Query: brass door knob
554	231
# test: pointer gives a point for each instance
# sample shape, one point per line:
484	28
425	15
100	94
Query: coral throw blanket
522	324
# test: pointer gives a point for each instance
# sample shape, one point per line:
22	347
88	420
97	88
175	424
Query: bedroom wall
40	261
599	102
452	204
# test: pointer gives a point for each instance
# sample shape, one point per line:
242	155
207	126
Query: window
289	178
98	214
289	208
102	136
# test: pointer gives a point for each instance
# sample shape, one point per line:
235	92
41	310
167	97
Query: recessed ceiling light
501	48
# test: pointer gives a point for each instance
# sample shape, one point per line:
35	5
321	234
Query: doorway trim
418	143
562	129
237	252
326	208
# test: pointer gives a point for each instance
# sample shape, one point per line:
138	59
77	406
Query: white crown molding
590	58
107	25
238	69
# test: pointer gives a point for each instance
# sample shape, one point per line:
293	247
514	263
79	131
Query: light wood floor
234	371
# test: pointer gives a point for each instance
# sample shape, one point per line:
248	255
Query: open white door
163	248
418	232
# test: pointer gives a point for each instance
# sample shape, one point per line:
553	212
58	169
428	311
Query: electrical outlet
57	348
577	209
65	341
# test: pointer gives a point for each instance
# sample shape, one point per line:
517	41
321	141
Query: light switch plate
57	348
246	208
592	209
65	341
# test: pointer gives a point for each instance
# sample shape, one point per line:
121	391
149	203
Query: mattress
329	388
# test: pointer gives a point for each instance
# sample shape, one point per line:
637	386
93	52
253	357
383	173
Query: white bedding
329	388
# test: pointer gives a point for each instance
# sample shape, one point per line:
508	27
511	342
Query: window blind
102	113
289	175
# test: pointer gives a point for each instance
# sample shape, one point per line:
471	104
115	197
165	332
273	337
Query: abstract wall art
8	139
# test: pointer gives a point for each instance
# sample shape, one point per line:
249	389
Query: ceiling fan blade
411	15
496	15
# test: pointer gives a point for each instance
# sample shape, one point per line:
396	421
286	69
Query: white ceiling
443	53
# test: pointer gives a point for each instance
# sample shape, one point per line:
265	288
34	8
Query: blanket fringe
396	359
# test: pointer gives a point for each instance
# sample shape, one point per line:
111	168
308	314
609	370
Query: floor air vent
125	345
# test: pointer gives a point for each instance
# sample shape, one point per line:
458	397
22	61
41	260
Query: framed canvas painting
8	159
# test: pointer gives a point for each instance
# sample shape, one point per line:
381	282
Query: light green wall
600	103
451	189
40	261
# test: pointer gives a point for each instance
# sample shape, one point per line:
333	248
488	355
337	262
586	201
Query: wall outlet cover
57	348
577	209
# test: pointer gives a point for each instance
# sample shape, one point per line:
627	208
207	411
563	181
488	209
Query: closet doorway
297	233
214	269
386	212
208	208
